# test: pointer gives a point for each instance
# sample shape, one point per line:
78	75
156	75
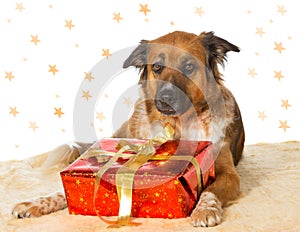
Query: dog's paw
208	211
27	209
40	206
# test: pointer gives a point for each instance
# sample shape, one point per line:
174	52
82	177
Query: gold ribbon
125	175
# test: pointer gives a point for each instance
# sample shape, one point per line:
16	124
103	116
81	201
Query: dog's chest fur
204	127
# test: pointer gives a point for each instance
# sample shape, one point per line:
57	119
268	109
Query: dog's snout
167	98
165	102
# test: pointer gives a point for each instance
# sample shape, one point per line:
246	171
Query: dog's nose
168	99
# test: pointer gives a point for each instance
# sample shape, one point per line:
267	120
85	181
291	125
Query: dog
181	85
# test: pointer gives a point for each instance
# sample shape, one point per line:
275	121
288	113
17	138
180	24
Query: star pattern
69	24
89	76
281	10
284	125
262	115
278	75
34	39
199	11
20	7
100	116
33	126
70	42
86	95
251	72
117	17
279	47
127	101
105	53
53	69
144	9
13	111
58	112
9	76
259	31
285	104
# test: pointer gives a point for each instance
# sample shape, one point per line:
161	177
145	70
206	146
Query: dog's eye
157	68
188	69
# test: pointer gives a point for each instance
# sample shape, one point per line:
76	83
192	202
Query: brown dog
181	84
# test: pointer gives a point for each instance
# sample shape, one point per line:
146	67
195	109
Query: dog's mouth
164	108
172	103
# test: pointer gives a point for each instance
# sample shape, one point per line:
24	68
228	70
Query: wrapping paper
164	187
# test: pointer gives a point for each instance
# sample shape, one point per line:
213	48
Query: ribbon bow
125	175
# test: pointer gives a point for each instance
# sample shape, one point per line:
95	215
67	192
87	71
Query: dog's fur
181	84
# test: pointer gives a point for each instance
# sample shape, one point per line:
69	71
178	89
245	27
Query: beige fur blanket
270	199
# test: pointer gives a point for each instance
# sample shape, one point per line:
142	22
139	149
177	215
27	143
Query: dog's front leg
40	206
226	187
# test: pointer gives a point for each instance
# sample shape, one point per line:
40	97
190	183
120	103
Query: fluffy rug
270	199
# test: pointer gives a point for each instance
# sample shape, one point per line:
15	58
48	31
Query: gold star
69	24
278	47
251	72
278	75
261	115
259	31
106	53
34	39
285	103
9	76
58	112
199	11
33	126
20	7
86	95
117	17
81	199
100	116
78	182
144	9
53	69
156	194
13	111
281	9
176	182
283	125
127	101
88	76
180	199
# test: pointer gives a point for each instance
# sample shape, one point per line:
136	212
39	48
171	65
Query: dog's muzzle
171	100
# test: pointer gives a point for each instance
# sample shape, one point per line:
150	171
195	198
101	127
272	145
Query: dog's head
177	68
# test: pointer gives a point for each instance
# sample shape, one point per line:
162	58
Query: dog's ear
217	49
138	57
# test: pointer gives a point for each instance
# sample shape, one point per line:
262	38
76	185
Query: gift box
166	186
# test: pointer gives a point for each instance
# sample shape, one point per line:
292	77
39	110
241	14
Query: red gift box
163	187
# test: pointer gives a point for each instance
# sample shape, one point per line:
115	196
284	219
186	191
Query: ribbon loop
125	175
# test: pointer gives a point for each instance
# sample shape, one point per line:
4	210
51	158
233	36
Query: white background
33	93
